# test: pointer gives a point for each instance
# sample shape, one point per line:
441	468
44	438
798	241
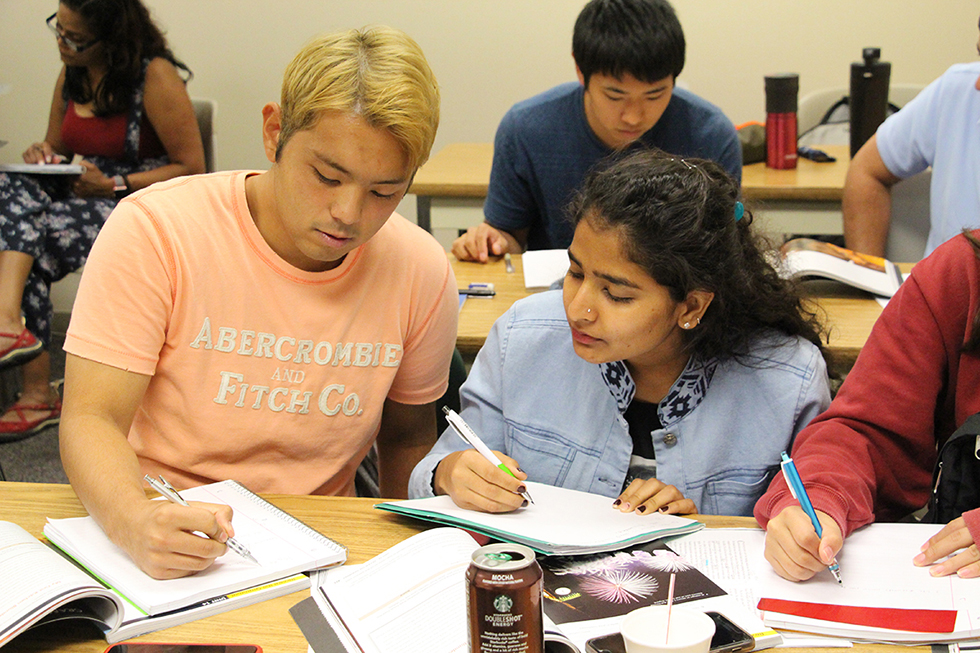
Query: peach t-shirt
261	372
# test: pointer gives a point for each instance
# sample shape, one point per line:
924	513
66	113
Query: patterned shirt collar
684	396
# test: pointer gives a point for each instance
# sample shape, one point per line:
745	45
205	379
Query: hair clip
739	211
686	163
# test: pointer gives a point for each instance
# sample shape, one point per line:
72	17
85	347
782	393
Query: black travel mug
869	96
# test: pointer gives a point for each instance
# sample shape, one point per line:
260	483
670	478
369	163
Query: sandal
24	348
23	427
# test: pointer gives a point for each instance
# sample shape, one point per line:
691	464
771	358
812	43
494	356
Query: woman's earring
687	325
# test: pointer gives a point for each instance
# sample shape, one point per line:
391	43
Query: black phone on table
160	647
729	638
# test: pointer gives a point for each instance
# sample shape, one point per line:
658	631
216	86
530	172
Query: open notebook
282	544
560	521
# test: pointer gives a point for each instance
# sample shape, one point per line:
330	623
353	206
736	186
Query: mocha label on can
504	600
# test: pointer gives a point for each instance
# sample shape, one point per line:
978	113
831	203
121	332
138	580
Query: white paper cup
645	630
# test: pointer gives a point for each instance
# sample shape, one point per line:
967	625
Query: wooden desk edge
268	623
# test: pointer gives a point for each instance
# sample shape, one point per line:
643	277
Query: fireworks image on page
620	586
579	588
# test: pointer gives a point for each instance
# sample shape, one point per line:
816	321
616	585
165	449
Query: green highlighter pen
471	438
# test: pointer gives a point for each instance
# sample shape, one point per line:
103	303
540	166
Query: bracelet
121	186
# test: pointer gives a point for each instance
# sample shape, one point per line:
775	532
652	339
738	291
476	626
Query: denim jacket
725	423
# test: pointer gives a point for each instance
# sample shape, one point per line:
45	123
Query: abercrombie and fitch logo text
332	400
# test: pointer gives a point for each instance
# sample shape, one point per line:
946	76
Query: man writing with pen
268	327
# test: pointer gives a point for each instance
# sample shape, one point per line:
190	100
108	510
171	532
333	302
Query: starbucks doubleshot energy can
504	600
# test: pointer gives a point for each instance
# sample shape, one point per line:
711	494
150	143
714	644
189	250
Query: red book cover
925	621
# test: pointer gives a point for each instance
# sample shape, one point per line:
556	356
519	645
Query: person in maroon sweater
870	456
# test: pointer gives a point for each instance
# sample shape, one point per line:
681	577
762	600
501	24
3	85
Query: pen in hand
796	488
470	437
170	493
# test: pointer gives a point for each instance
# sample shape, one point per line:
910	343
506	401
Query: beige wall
489	54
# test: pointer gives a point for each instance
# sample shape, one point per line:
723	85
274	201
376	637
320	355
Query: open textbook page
41	585
36	580
806	258
409	599
588	596
412	598
884	597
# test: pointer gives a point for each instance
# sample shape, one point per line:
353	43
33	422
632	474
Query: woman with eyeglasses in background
120	103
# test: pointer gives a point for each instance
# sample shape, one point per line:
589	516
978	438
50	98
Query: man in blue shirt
940	128
628	54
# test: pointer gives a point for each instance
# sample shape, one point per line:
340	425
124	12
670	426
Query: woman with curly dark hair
669	373
121	107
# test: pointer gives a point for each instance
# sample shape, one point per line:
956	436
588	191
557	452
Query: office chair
205	110
366	478
909	228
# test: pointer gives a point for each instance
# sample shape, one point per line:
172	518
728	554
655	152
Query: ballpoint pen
170	493
471	438
799	493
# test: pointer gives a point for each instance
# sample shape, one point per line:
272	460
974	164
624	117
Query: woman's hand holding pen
649	496
164	540
474	483
953	537
793	548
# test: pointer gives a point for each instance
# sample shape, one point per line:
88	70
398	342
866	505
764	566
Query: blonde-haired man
268	327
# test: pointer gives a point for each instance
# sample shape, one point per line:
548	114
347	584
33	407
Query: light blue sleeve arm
481	408
907	139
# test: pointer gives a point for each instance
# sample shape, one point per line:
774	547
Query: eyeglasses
59	33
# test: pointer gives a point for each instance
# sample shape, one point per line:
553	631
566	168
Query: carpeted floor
36	458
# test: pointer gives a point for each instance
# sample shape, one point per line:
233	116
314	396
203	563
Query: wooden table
848	312
352	522
805	200
365	531
455	179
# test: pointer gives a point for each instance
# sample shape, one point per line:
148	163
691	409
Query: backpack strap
956	477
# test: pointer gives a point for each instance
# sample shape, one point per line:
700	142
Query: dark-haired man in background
628	54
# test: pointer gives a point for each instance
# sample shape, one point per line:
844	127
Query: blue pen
799	493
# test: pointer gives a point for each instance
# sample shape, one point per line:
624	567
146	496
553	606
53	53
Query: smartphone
158	647
729	638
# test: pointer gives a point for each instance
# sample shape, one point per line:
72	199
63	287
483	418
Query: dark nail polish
524	505
521	490
616	503
641	509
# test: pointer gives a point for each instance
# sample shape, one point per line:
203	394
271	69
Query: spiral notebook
282	544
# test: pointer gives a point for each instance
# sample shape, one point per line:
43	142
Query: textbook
412	597
805	258
283	546
41	586
43	168
588	596
560	521
409	599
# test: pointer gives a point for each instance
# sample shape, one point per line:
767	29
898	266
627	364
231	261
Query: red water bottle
781	94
